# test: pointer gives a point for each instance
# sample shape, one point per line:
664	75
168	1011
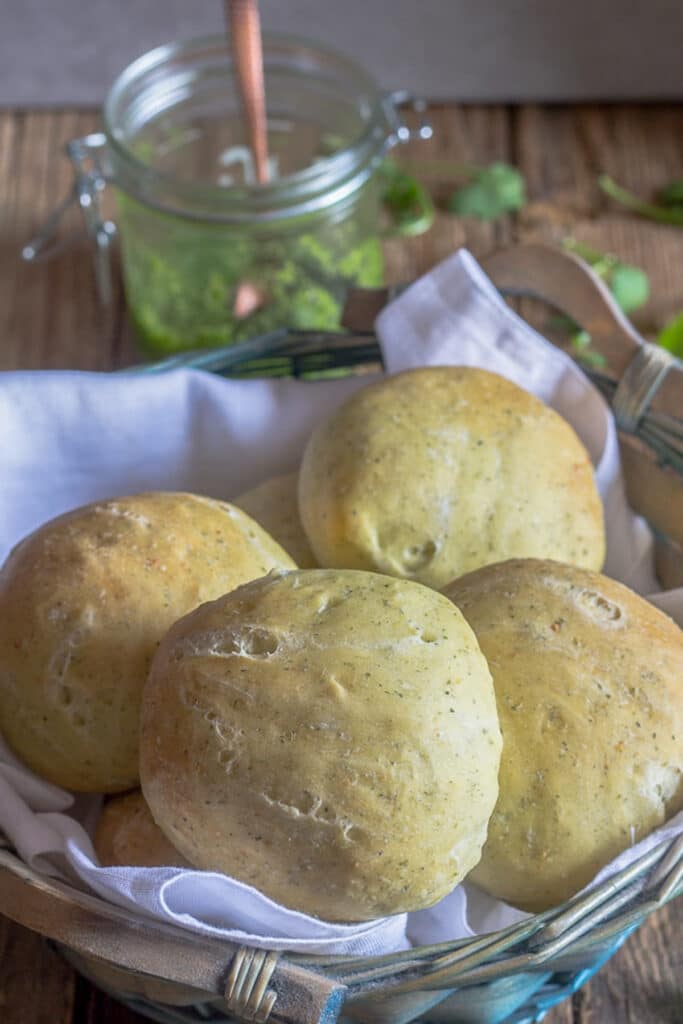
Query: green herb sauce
181	275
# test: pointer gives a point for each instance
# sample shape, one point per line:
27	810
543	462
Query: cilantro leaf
492	192
630	286
672	195
409	204
580	345
580	341
671	336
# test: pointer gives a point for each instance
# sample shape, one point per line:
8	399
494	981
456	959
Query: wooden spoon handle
245	29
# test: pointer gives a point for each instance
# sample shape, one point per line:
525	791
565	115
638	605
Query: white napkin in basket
70	438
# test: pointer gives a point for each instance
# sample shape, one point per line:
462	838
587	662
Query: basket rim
95	927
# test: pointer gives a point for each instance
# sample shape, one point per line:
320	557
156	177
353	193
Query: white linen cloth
71	438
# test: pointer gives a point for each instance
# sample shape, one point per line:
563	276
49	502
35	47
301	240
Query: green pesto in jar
181	276
198	233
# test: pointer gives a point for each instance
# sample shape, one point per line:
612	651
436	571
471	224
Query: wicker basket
516	974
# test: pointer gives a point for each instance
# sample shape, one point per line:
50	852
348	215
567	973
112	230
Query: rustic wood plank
32	202
643	983
39	327
36	986
9	129
98	1008
563	151
563	1013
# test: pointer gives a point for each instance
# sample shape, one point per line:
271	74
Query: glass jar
210	258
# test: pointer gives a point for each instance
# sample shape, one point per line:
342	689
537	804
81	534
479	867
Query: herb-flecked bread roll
329	737
589	685
432	473
84	602
274	505
127	836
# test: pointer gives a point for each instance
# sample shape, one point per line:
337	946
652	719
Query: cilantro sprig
486	193
408	203
629	285
668	209
671	336
491	192
580	344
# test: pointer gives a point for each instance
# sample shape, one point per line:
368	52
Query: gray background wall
57	52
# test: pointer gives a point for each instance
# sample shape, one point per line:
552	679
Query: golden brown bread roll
127	836
589	685
274	504
329	737
431	473
84	602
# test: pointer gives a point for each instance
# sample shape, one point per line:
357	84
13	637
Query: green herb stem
587	253
661	214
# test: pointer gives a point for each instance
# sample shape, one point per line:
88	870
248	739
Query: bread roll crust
432	473
127	836
274	504
329	737
589	685
84	602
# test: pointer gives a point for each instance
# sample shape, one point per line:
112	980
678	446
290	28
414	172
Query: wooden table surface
49	318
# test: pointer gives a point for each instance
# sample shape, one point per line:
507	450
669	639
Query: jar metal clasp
88	156
399	131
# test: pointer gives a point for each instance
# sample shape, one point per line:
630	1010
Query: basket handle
263	987
568	283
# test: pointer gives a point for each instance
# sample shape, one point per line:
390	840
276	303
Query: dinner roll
329	737
84	602
589	684
274	505
434	472
127	836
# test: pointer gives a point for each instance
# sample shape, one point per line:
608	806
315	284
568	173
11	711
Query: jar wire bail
88	158
394	103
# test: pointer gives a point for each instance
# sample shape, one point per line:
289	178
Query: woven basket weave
513	975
